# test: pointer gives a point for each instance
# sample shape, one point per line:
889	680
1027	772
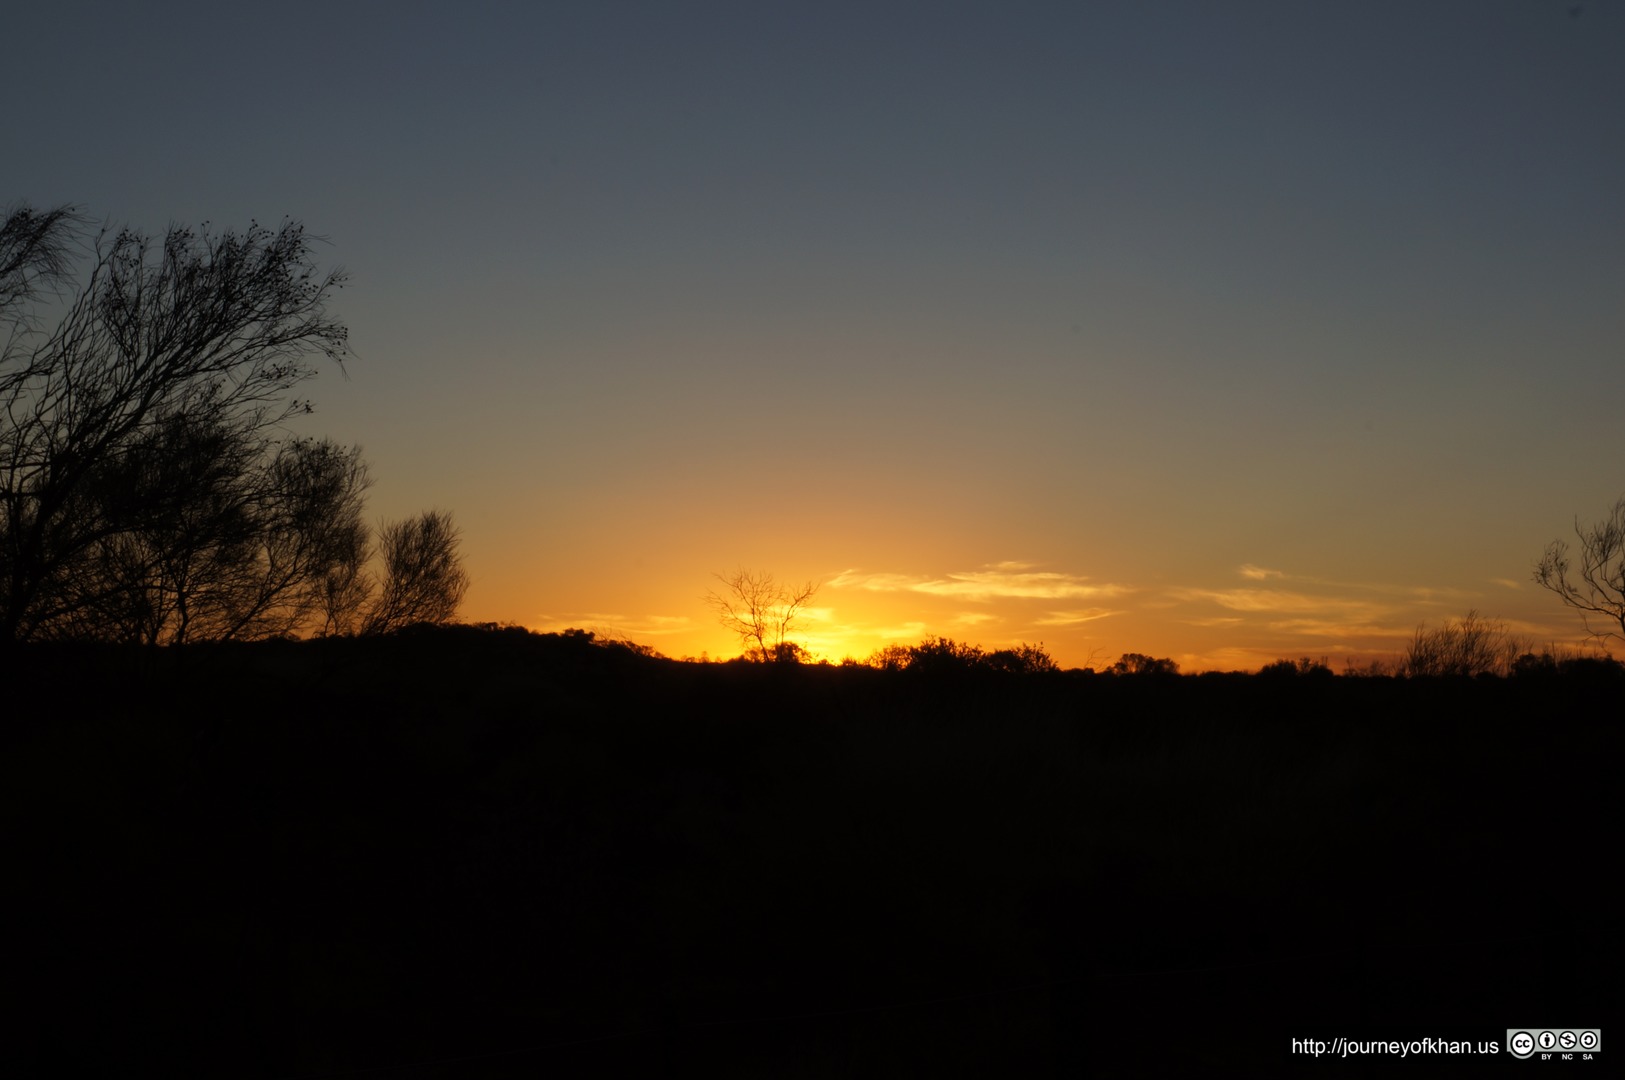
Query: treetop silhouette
762	612
150	489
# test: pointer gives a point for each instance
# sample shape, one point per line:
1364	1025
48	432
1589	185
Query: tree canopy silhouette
1141	664
937	655
424	579
150	489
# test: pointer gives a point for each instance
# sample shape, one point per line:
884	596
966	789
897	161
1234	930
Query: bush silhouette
1141	664
1293	668
1024	659
1470	645
939	654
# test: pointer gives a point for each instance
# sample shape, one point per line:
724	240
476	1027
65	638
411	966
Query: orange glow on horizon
1252	617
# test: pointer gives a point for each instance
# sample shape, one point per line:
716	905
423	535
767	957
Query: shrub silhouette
891	658
1293	668
1141	664
1553	663
1024	659
1470	645
940	654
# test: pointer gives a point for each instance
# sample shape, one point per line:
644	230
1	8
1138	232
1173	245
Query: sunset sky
1216	331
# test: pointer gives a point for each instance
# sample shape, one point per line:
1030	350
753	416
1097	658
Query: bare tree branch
761	612
35	255
1599	592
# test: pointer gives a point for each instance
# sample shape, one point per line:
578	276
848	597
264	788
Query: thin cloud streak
1283	602
1335	629
1316	609
1421	593
1075	618
613	625
998	581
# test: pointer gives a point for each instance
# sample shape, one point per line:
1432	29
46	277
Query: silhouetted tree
1470	645
228	542
1534	665
148	488
1557	660
424	580
762	612
1600	590
1024	659
939	654
1301	666
1141	664
788	652
347	587
891	658
167	346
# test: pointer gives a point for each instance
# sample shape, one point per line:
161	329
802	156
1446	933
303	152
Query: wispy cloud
1299	606
1280	601
997	581
614	624
1411	593
1075	618
1334	628
1506	583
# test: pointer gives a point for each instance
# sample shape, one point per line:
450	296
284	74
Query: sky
1221	332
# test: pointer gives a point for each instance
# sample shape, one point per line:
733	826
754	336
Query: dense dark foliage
937	656
510	854
150	491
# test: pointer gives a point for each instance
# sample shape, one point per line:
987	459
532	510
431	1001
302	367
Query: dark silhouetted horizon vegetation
481	851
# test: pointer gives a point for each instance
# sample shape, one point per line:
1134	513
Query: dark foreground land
464	854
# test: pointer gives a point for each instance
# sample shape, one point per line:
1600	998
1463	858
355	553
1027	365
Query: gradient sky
1218	331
